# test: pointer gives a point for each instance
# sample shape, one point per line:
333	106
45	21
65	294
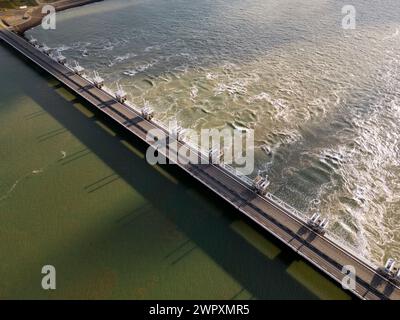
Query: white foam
194	92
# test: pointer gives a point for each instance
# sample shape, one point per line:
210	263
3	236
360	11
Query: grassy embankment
15	4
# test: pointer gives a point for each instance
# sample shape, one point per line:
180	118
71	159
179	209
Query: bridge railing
161	125
132	106
108	90
86	77
287	207
197	148
245	179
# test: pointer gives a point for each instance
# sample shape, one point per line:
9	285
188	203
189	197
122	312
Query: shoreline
36	16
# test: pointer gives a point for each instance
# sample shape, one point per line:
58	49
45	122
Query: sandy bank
35	15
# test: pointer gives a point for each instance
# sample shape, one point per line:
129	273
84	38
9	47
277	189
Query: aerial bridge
308	237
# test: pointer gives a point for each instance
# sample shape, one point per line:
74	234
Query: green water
77	195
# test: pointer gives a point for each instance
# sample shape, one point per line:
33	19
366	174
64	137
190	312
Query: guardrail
287	207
